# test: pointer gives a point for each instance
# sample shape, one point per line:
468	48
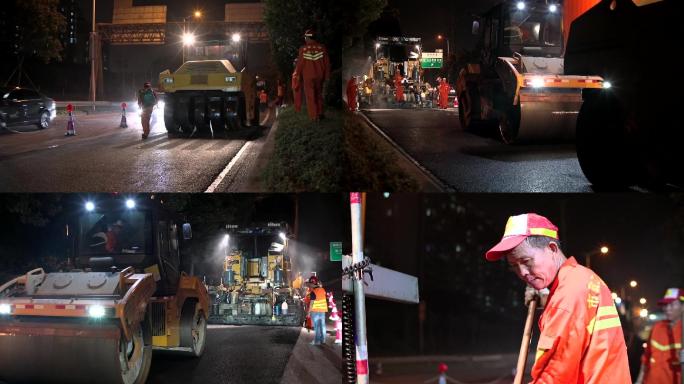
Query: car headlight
230	79
96	311
168	80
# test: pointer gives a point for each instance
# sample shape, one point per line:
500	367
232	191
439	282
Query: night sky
427	19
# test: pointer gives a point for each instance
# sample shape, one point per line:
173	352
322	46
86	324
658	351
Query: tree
39	24
288	20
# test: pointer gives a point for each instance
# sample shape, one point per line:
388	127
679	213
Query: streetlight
602	251
642	301
440	37
633	284
236	37
189	38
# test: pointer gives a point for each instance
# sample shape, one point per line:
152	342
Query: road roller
208	97
630	133
518	85
126	295
256	286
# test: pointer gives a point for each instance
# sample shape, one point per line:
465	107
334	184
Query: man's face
673	310
535	266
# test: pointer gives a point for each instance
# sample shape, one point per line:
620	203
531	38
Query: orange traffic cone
71	123
338	324
123	123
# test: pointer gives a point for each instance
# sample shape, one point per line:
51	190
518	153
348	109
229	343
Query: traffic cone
71	122
123	123
338	324
442	368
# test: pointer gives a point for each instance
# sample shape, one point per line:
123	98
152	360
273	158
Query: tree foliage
288	20
39	24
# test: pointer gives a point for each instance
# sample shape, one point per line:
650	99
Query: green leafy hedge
333	155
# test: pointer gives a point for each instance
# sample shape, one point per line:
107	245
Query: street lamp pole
93	54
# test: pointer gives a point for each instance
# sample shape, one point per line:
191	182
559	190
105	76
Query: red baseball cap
672	294
518	228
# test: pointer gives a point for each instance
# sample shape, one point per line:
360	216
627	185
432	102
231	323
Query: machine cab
114	234
529	28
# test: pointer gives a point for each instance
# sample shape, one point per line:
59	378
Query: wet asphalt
233	354
105	158
466	162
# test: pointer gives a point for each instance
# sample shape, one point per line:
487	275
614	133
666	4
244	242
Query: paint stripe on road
228	167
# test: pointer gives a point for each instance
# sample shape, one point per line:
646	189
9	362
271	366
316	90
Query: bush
335	154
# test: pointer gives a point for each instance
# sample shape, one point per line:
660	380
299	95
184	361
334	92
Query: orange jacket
581	340
320	303
313	61
661	356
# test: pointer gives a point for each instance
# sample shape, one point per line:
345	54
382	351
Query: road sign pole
362	376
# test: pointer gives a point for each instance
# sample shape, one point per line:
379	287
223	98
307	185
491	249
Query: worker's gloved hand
539	295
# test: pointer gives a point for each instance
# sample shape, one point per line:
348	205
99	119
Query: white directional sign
388	285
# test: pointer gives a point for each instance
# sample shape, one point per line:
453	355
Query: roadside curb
254	179
313	364
427	181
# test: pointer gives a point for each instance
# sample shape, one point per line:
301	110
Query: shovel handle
525	344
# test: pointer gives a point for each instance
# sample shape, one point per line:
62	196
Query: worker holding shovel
581	339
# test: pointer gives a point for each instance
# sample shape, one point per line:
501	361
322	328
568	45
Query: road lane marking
228	167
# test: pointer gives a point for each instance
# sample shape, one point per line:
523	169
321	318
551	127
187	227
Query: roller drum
70	352
551	117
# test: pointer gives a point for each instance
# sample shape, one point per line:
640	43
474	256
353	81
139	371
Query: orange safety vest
320	304
313	61
661	356
581	339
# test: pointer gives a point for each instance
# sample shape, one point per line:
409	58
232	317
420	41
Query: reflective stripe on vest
313	56
321	303
662	347
607	323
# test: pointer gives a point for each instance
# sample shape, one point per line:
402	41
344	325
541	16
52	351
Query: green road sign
335	251
431	62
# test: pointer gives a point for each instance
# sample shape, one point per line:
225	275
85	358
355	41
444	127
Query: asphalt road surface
233	354
467	162
105	158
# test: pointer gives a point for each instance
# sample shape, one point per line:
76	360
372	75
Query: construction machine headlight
607	85
130	203
5	309
89	206
96	311
553	8
537	82
230	79
520	5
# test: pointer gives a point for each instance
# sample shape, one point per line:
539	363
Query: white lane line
268	114
228	167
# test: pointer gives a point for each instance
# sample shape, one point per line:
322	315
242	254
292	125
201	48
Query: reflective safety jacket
313	61
319	302
661	356
581	340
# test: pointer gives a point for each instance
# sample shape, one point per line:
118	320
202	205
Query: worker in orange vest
660	361
263	100
444	94
581	339
352	92
297	90
317	310
313	67
399	87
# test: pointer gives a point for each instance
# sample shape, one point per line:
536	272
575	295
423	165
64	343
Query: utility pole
362	376
93	55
